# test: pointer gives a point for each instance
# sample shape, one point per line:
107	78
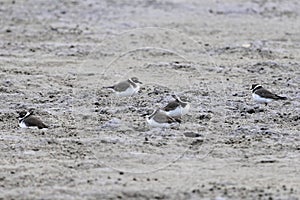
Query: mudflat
56	57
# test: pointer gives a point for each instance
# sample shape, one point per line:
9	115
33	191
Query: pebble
191	134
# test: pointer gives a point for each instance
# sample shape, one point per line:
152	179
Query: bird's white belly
259	99
175	113
128	92
153	123
22	125
179	111
186	109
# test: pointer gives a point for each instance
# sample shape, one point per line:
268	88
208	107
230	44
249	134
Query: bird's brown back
33	121
171	106
267	94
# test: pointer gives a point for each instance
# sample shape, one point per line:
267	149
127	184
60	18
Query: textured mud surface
55	57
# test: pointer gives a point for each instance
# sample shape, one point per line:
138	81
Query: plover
160	119
26	120
261	95
126	88
176	108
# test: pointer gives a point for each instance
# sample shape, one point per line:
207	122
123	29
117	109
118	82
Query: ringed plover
160	119
27	120
176	108
261	95
126	88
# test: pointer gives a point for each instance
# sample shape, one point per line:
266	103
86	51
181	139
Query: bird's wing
32	121
162	118
266	94
122	86
171	106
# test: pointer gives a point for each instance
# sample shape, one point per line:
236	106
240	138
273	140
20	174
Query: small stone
250	111
191	134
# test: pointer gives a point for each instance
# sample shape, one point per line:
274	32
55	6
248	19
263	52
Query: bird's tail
281	98
41	126
177	119
108	87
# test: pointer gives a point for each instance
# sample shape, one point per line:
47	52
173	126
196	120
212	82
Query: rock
191	134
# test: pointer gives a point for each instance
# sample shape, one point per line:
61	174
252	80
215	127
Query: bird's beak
140	82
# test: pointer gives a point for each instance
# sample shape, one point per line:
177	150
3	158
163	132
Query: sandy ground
55	57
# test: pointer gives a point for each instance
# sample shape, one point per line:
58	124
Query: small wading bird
27	120
126	88
263	96
176	108
160	119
